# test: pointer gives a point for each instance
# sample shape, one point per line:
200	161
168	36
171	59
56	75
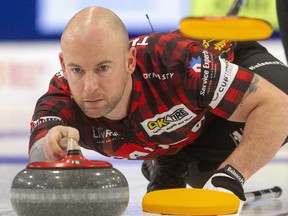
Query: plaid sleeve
233	83
53	108
215	83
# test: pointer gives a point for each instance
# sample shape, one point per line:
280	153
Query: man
154	99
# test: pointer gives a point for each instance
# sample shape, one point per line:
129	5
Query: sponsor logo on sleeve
227	75
45	119
169	121
207	74
194	68
203	69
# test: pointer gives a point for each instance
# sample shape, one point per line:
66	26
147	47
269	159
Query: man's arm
265	110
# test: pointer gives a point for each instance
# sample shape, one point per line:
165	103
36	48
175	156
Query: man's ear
131	60
61	58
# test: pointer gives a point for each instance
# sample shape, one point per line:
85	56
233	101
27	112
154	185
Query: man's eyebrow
73	65
100	63
104	62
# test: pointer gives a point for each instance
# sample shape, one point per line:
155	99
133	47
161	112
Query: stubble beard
111	103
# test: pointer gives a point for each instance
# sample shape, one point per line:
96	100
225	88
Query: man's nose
91	82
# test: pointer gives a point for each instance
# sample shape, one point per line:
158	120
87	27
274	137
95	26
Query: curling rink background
25	70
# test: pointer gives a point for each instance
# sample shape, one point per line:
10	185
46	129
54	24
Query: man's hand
228	180
53	149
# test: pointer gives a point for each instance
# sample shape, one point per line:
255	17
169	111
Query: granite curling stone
72	186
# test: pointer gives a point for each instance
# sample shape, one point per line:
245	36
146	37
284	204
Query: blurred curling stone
71	186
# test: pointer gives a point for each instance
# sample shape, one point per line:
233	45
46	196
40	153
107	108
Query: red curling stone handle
73	159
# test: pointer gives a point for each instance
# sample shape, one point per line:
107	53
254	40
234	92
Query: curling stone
73	186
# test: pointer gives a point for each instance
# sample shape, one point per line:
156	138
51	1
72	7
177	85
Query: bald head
97	63
94	22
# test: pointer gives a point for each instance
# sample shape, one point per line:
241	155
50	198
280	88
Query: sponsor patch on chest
169	121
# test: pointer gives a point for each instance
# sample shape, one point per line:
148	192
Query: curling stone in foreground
73	186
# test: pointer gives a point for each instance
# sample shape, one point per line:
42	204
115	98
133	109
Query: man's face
97	74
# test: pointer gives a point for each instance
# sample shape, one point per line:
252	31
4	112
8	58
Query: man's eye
76	70
103	68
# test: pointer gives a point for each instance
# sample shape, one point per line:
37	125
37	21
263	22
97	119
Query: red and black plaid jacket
178	84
